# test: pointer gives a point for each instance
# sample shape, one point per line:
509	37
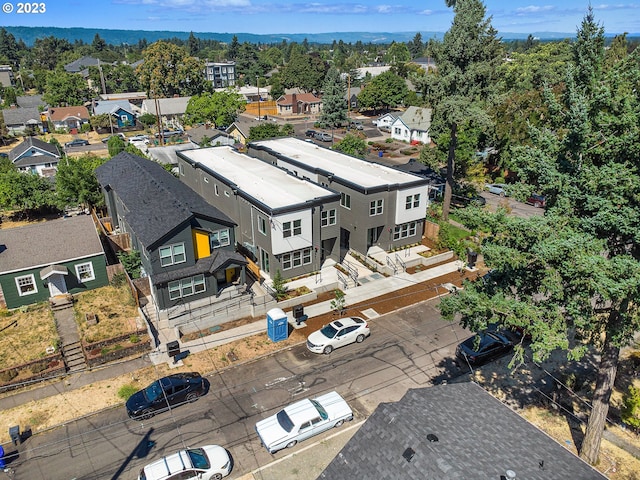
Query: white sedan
497	188
303	419
210	462
338	333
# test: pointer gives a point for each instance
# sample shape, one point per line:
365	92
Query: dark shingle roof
45	243
82	63
156	201
25	101
44	152
21	116
477	437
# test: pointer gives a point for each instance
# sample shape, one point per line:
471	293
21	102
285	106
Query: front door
57	285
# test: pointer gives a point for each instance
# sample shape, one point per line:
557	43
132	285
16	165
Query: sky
315	16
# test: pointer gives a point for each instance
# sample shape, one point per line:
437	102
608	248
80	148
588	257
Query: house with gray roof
20	121
186	245
413	125
451	432
83	63
206	135
171	110
25	101
35	156
47	259
285	222
380	206
121	111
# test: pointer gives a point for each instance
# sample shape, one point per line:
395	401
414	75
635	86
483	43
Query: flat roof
354	170
269	185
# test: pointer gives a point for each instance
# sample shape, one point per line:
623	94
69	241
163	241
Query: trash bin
380	153
298	311
173	348
14	434
3	463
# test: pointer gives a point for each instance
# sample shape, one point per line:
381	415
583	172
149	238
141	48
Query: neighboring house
68	118
253	94
372	71
241	128
385	121
285	222
121	112
20	121
351	97
35	156
211	136
380	206
299	104
455	431
6	76
171	110
36	101
186	245
436	181
81	64
51	258
426	63
167	154
413	125
220	74
134	98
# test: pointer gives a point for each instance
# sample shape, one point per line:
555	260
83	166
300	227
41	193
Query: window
84	272
405	230
412	201
291	228
124	119
215	190
328	217
262	225
26	285
186	287
220	238
345	200
206	180
172	254
296	259
375	207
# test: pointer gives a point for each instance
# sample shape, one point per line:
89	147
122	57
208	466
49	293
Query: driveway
518	209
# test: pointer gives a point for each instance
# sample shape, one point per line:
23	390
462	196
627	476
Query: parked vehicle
139	138
169	133
483	347
337	334
165	393
121	135
302	420
310	133
497	189
323	136
78	142
466	200
538	201
357	125
210	462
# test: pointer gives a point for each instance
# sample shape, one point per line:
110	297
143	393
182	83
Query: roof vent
510	475
408	454
432	438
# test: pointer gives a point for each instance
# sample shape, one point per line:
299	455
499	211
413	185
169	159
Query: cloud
534	9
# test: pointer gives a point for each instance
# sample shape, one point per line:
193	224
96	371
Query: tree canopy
219	108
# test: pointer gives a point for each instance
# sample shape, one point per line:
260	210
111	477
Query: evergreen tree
334	104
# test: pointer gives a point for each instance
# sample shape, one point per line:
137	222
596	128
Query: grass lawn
26	334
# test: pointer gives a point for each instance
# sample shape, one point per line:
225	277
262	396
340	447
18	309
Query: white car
210	462
337	334
496	188
139	138
302	420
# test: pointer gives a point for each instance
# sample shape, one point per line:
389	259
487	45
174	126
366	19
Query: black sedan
483	347
78	142
165	393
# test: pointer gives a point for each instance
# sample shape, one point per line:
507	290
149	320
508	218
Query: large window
186	287
26	285
375	207
345	200
220	238
412	201
291	228
328	217
405	230
296	259
84	272
262	225
172	254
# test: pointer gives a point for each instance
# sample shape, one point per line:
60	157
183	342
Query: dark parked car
310	133
466	200
167	392
537	201
78	142
483	347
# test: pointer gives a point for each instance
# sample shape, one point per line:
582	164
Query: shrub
631	407
279	286
38	367
134	338
8	375
126	391
339	303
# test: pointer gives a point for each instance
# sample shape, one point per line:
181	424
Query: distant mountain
132	37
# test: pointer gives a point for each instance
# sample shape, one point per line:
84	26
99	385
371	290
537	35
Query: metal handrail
392	265
402	264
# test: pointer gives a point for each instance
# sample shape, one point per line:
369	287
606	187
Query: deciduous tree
219	108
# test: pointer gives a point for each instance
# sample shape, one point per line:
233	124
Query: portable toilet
277	325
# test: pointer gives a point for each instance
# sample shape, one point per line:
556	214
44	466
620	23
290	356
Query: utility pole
160	130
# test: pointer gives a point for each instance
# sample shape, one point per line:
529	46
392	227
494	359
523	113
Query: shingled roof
156	201
44	151
455	431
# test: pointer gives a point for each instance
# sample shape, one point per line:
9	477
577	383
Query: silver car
337	334
497	189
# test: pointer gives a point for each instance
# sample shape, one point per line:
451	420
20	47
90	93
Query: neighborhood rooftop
354	170
41	244
269	185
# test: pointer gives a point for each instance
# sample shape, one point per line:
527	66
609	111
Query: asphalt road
407	349
518	209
